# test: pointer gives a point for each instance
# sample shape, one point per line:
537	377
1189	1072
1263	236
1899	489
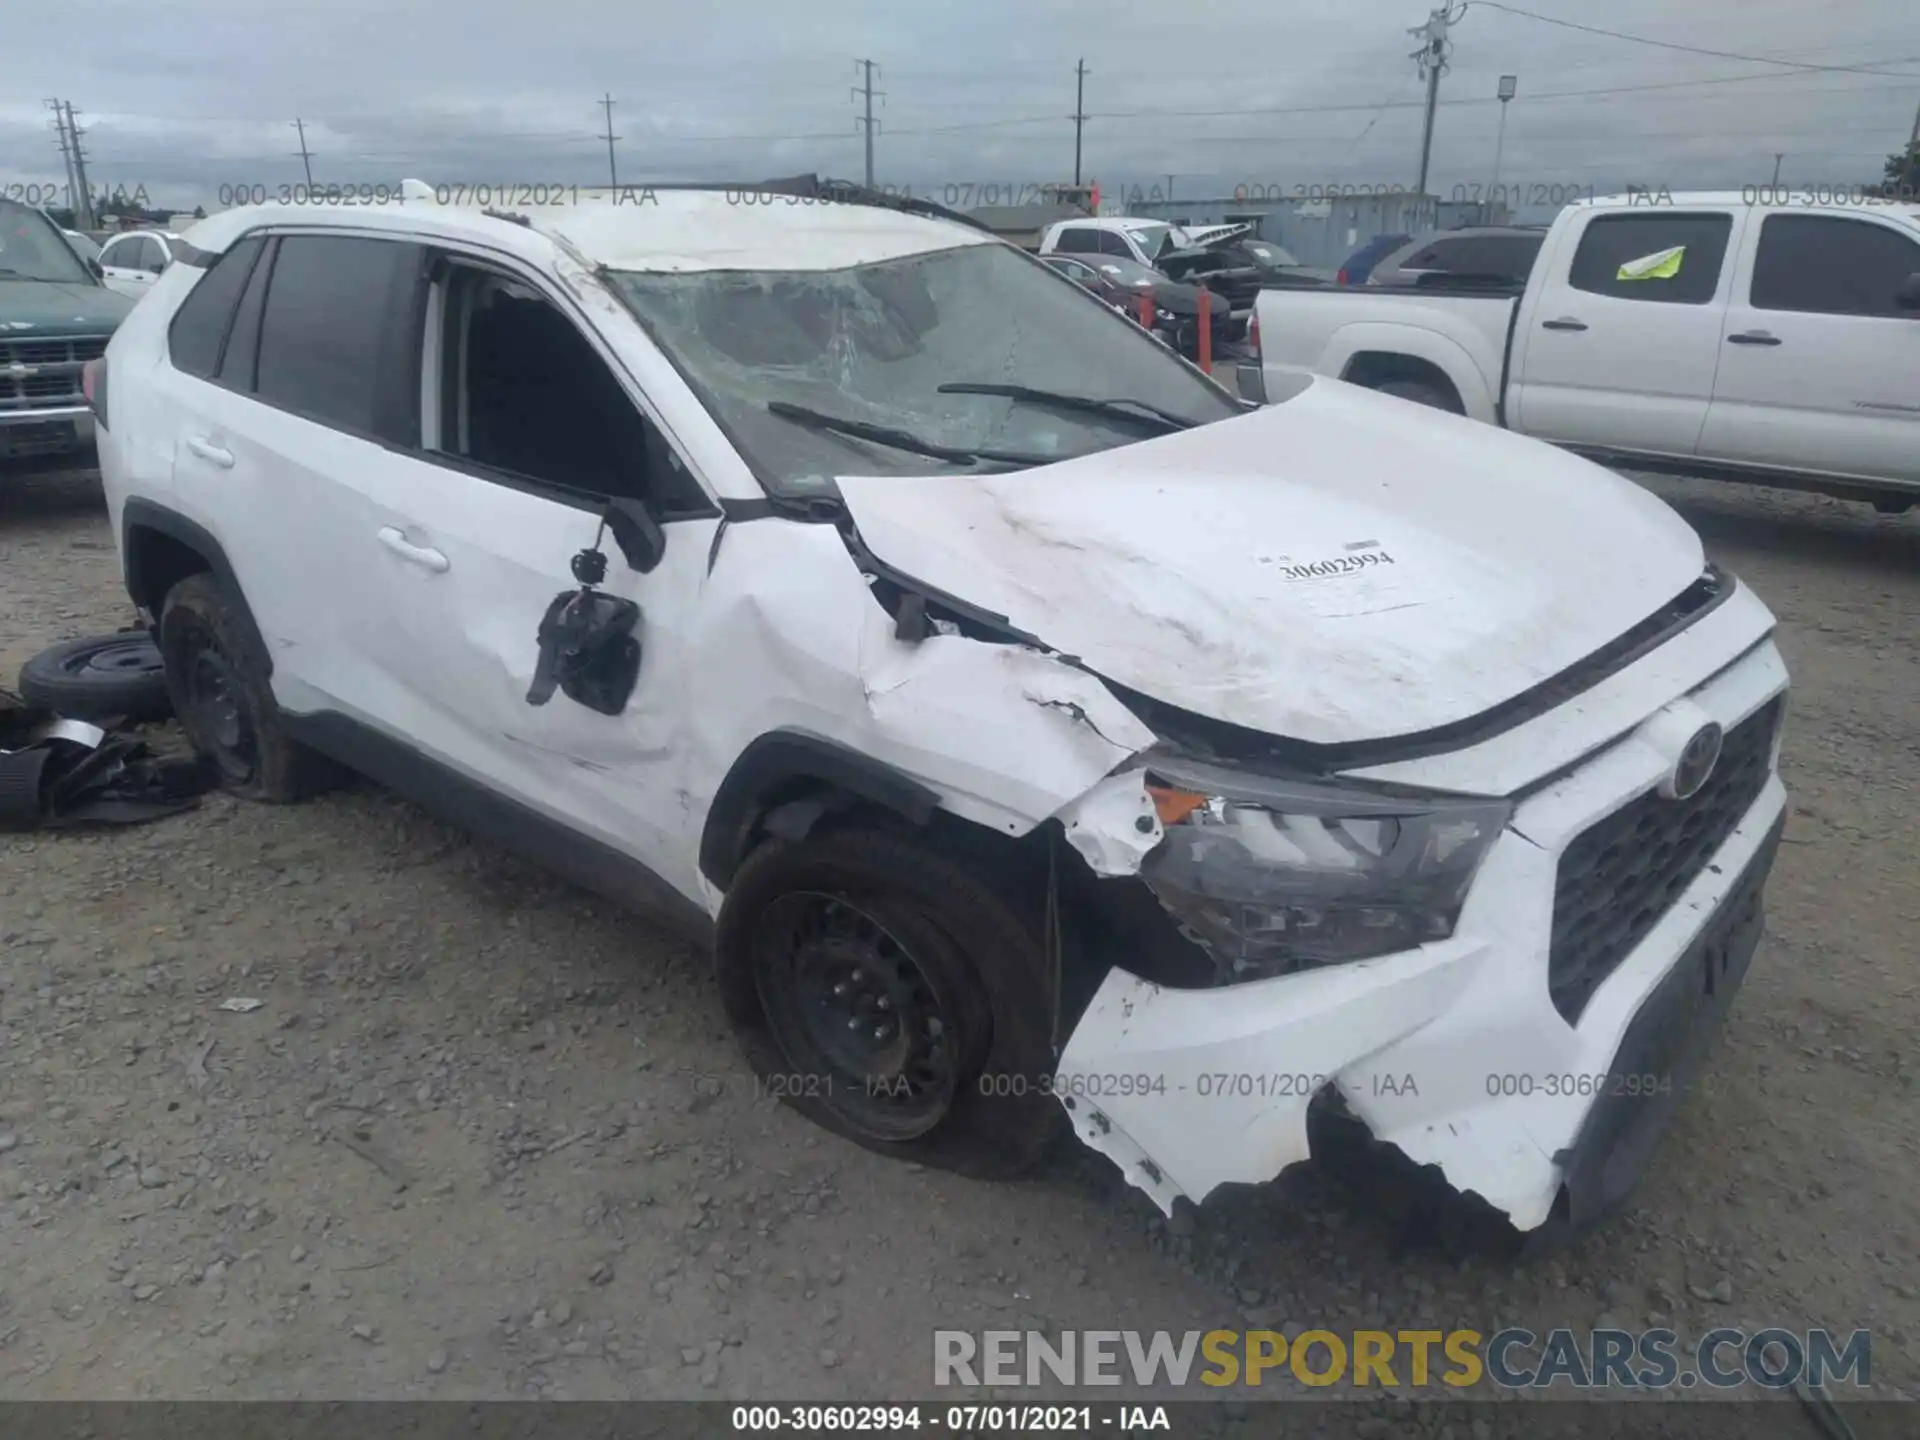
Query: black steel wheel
849	1001
894	996
223	698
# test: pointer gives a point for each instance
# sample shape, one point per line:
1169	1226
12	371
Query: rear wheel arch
1376	369
161	547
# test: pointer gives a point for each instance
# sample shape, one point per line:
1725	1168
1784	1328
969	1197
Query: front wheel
224	701
891	996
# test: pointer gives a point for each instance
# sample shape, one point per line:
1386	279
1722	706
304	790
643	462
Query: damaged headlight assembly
1273	876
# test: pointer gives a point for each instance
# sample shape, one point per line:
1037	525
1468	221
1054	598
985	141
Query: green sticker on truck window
1661	265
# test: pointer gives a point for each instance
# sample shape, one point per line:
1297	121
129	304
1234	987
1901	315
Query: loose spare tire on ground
99	677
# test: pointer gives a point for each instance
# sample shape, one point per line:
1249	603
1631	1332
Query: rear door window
1668	258
339	341
1829	265
1079	241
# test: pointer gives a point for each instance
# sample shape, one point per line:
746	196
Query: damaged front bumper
1455	1052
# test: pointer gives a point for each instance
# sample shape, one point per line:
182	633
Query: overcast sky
187	96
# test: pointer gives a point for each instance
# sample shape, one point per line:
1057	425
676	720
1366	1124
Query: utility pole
1508	85
74	132
1777	158
866	122
1079	115
66	159
306	158
613	175
1432	58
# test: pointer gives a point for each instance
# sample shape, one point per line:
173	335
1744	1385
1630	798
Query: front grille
56	364
1618	878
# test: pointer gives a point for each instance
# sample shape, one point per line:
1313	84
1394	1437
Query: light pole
1508	84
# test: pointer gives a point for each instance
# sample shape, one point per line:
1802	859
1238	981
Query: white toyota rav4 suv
1041	734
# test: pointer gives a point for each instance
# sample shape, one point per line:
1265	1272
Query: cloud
185	98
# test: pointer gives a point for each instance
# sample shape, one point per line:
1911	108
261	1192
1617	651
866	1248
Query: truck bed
1463	330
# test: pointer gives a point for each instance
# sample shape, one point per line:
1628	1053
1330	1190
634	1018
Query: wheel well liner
160	547
1376	367
785	765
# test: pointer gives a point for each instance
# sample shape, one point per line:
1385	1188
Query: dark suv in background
1488	254
55	315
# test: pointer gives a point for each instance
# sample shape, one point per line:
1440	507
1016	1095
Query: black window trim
233	310
1760	238
269	251
442	254
1735	235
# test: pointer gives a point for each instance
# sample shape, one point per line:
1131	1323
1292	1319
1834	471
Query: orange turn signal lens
1173	806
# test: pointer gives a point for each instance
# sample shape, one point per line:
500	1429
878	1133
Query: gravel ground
488	1138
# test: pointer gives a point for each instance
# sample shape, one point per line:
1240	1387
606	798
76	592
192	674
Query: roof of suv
643	228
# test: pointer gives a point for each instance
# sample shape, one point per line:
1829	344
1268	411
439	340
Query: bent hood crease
1340	567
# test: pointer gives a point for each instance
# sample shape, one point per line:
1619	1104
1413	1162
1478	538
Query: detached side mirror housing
1907	297
641	540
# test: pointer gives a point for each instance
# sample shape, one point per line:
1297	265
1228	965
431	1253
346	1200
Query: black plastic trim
781	756
1670	1036
514	826
138	514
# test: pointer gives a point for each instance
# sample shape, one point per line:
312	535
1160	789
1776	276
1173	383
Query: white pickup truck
1747	337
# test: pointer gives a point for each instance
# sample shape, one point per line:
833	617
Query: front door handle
210	452
1564	323
421	555
1753	337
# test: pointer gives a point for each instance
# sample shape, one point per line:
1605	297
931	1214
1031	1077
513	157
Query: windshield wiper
1122	408
900	439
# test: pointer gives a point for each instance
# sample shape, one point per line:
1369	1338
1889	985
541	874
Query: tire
933	936
1423	392
99	678
224	702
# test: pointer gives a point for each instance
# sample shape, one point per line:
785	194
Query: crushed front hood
1341	567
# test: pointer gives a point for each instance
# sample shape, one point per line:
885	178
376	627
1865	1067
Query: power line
613	177
1676	45
1470	100
306	156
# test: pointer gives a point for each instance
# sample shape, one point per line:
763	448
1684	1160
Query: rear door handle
1753	337
425	558
1564	323
210	452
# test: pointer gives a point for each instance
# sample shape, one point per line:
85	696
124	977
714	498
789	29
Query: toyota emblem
1697	759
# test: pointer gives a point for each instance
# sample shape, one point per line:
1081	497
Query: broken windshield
873	344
